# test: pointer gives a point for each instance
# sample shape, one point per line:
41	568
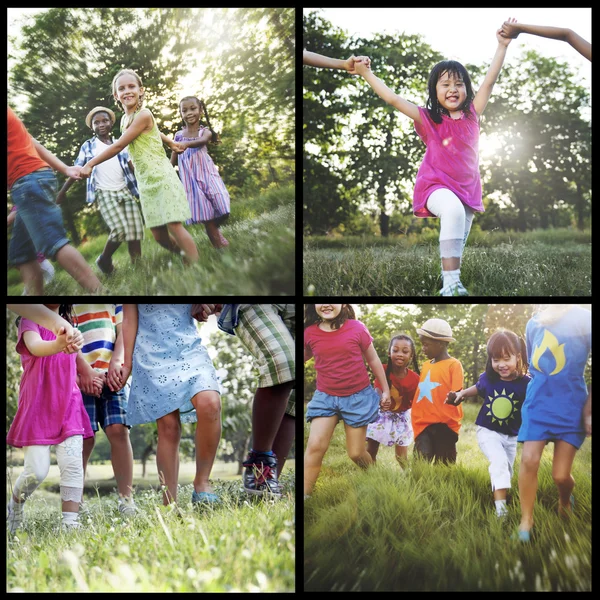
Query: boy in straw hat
115	187
435	423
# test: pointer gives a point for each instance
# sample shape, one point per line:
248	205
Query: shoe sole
263	493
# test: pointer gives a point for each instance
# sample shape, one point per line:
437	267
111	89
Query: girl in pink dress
448	184
50	413
205	190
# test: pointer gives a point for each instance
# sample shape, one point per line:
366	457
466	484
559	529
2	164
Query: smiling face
328	312
101	124
451	91
190	111
400	353
505	365
128	91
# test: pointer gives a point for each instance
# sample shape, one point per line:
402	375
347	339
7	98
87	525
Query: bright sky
468	35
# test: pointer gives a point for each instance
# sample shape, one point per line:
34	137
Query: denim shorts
109	409
357	410
39	223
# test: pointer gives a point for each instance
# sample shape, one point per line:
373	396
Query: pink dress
451	160
206	193
50	404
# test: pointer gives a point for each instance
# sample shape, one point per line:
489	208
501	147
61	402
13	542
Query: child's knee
207	405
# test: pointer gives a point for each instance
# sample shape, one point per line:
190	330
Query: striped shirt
98	325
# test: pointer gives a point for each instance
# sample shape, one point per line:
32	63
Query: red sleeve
364	339
307	348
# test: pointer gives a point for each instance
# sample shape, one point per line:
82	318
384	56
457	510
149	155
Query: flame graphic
549	342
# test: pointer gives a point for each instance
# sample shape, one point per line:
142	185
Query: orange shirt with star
428	405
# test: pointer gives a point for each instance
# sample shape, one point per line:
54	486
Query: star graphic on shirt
425	388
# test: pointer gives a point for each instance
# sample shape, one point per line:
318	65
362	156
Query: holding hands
75	172
507	32
455	398
201	312
360	65
85	171
69	340
386	402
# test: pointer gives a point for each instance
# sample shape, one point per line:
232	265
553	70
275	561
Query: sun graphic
502	408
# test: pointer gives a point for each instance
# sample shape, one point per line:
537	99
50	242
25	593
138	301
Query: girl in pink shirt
448	184
50	413
340	344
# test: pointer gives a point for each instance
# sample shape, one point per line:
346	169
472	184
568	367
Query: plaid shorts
120	211
109	409
268	331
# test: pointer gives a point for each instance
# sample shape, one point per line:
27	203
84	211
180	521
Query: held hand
86	381
509	29
502	40
454	398
69	341
124	374
86	171
386	401
97	386
74	172
113	377
201	312
362	65
179	147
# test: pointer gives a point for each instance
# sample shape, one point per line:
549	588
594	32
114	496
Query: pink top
50	404
451	160
339	361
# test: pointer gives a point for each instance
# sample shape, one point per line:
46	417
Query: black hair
215	138
502	343
311	317
452	67
388	369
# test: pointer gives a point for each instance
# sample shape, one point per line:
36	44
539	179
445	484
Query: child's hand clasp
357	65
507	32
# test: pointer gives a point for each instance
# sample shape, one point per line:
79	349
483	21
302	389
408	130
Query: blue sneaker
205	498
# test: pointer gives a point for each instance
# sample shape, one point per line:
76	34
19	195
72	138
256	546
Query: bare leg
184	240
135	250
212	231
402	455
564	454
121	456
528	481
355	444
71	261
268	409
167	454
109	249
208	435
321	430
161	235
33	277
283	440
500	494
88	446
372	448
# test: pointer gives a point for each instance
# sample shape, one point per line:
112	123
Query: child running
205	190
557	405
50	413
340	345
502	387
162	196
448	183
393	427
435	423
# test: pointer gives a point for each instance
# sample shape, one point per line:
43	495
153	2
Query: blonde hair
551	313
137	78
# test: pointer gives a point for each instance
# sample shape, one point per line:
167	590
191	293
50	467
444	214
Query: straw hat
88	119
437	329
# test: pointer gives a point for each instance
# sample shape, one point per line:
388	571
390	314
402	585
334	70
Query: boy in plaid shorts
102	354
113	183
268	332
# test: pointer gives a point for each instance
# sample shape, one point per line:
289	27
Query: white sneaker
457	289
127	507
71	526
14	520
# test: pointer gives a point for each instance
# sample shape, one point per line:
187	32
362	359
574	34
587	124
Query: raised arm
386	94
318	60
485	91
512	30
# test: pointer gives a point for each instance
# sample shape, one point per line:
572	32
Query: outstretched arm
56	163
512	30
485	91
318	60
385	93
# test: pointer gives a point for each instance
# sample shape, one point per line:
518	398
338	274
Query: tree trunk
145	456
580	208
384	222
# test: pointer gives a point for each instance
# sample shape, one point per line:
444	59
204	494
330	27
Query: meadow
540	263
432	527
259	261
246	545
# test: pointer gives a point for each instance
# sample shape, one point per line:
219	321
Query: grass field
433	527
246	545
259	261
544	263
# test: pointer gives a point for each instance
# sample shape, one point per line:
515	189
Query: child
102	354
318	60
435	423
557	405
448	184
502	387
205	190
39	226
268	332
164	204
340	345
512	30
50	413
113	183
174	381
40	314
393	427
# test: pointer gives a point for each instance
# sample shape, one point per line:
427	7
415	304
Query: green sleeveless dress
162	195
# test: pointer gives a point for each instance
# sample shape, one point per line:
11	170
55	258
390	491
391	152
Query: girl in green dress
163	199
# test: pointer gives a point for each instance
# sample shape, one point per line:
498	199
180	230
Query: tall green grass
433	527
259	261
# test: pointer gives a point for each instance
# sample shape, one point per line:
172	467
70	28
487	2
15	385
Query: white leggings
456	220
69	456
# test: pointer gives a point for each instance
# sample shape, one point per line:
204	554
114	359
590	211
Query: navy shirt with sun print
502	401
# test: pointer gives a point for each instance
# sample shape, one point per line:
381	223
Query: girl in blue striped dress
205	190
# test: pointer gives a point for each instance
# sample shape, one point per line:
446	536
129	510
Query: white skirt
392	429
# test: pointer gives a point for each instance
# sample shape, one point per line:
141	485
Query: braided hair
388	369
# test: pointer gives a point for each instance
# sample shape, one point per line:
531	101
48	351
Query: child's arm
587	414
386	94
62	194
201	141
318	60
130	327
175	146
455	398
141	123
174	156
377	368
512	30
131	166
40	314
485	91
12	215
87	376
56	163
39	347
113	377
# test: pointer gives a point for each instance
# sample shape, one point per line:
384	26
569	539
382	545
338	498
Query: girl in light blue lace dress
173	382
